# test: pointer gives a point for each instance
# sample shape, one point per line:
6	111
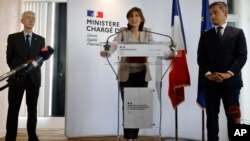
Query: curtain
44	16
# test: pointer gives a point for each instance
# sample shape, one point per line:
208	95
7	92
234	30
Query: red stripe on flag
178	79
99	14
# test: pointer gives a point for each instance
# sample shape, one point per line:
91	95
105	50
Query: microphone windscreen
106	47
234	111
46	52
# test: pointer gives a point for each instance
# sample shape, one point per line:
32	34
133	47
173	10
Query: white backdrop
91	88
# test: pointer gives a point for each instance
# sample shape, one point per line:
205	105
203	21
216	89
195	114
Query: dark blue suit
18	53
214	55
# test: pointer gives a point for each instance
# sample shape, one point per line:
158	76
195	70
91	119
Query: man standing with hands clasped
222	53
22	48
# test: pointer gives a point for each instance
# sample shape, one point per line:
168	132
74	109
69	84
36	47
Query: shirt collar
223	26
25	33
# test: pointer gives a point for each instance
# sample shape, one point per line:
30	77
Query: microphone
107	46
12	72
44	54
234	111
34	64
172	46
25	68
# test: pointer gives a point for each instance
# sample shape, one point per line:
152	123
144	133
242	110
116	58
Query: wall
243	22
10	22
91	88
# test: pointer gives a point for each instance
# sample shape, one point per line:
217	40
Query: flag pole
160	109
203	125
206	24
174	78
176	124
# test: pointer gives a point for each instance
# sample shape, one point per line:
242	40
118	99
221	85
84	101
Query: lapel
33	43
21	38
214	40
142	36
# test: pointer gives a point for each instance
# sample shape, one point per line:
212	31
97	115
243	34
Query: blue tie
27	41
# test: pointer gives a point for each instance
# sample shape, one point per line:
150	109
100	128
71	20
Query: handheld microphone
234	111
44	54
34	64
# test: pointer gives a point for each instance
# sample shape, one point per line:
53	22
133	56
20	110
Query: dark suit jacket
228	54
18	53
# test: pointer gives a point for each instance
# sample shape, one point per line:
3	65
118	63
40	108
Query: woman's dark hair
139	11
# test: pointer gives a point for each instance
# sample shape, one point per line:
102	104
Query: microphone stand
24	69
11	73
106	48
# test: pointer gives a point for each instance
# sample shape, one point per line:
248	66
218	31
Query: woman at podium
133	71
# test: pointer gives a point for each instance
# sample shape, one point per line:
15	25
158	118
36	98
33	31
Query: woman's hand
104	53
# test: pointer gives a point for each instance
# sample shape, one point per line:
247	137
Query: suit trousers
213	96
15	96
135	80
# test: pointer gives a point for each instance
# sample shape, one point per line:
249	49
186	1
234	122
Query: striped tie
219	35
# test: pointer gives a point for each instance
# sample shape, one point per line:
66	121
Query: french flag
99	14
179	75
90	13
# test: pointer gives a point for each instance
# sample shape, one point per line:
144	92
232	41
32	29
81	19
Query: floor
58	135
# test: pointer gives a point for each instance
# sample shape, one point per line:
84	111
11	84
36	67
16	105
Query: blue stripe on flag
177	12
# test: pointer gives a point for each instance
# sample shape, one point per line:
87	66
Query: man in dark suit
222	53
23	47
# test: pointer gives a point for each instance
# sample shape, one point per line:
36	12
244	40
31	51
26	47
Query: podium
140	49
138	107
139	102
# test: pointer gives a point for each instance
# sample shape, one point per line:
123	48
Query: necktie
27	40
219	35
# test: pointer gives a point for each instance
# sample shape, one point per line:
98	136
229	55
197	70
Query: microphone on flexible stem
172	46
234	111
107	46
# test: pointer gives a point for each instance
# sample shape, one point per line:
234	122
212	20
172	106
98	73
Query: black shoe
33	139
